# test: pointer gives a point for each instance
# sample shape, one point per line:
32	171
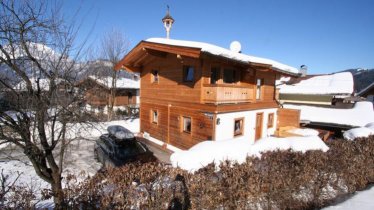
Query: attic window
188	73
155	76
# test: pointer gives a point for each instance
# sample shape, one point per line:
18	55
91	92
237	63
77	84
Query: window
270	120
238	126
188	73
154	116
229	76
214	75
258	88
187	124
155	76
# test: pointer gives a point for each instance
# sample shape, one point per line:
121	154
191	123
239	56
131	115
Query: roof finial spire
168	21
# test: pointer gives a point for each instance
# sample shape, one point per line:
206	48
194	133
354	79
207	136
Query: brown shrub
279	180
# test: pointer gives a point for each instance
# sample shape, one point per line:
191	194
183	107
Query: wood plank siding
182	83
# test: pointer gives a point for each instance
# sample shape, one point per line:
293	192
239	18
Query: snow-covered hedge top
361	114
215	50
121	82
237	150
339	83
358	132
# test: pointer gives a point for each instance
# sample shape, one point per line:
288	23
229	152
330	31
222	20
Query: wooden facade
97	95
171	95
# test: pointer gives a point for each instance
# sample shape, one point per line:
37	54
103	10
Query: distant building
322	90
96	92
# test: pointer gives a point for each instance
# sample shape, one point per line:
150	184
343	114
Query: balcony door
259	119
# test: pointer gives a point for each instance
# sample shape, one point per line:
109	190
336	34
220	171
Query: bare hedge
279	180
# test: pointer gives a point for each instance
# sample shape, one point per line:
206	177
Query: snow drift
207	152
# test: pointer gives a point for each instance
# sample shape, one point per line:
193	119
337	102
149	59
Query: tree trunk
112	95
58	193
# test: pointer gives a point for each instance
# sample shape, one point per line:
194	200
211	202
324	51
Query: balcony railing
219	94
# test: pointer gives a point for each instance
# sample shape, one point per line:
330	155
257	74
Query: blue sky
325	35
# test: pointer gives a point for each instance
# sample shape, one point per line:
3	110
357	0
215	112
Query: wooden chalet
97	91
193	91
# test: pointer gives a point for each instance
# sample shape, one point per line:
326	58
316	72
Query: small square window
155	78
187	124
270	120
155	116
238	126
188	73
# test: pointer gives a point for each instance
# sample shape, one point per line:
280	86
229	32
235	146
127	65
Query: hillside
362	77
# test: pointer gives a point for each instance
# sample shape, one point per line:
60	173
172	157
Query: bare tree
114	45
37	51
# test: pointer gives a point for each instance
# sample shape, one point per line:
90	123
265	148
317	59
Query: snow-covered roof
339	83
361	114
124	83
219	51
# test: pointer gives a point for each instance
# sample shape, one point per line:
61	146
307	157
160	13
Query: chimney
303	70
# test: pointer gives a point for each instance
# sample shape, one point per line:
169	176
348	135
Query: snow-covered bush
237	150
354	133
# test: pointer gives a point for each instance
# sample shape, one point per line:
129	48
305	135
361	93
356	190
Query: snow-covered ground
79	159
362	200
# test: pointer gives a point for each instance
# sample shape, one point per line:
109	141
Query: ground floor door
259	119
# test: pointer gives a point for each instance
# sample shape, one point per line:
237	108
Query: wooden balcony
220	94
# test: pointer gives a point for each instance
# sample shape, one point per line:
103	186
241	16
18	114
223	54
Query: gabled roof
329	84
195	50
122	83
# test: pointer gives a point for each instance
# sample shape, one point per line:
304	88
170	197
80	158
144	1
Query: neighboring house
194	91
321	90
62	95
97	91
367	93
